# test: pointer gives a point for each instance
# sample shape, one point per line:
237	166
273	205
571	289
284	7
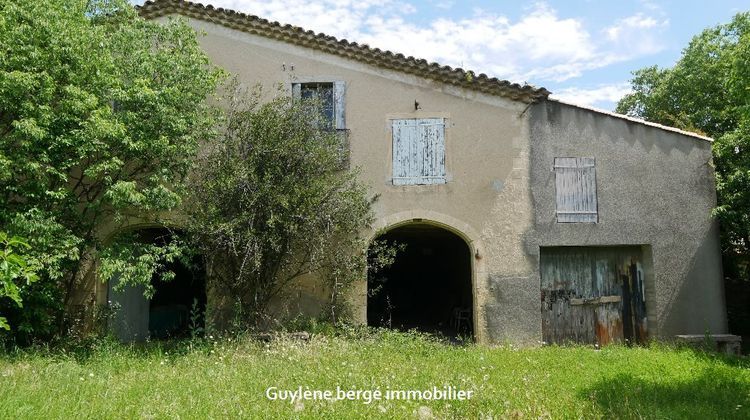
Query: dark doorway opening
177	306
428	287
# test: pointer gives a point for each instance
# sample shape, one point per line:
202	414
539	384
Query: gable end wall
655	188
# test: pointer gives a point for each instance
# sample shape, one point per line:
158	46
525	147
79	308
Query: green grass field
229	378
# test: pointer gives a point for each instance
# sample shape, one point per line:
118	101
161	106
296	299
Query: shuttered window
575	185
419	151
331	96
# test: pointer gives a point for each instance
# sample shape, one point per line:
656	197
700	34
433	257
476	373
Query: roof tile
361	52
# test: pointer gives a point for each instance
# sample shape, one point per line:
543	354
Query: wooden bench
724	343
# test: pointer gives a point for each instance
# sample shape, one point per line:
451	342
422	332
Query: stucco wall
655	188
486	199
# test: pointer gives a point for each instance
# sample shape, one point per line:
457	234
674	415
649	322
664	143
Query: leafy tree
708	91
273	203
14	266
135	260
101	113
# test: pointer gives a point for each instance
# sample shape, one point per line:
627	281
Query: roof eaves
360	52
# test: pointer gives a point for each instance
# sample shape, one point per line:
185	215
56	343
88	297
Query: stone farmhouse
526	219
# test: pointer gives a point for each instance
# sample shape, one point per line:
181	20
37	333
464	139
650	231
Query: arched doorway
177	306
429	285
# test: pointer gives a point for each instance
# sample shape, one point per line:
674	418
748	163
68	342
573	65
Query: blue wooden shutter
339	105
296	90
418	151
404	135
432	135
575	185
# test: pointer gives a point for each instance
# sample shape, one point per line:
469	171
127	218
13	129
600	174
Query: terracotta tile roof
360	52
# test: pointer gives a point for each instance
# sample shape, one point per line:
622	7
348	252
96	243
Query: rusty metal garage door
592	295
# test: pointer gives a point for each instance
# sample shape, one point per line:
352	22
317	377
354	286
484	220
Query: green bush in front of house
275	201
101	113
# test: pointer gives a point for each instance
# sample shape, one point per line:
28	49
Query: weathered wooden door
592	295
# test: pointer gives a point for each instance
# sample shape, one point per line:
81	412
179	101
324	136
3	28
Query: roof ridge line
253	24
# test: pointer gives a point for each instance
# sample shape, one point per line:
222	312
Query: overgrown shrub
273	203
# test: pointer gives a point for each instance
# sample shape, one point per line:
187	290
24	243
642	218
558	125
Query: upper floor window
575	186
419	151
331	98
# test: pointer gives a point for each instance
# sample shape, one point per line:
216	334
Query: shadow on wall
696	306
715	392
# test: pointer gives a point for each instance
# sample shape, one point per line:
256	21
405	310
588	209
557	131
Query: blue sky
581	50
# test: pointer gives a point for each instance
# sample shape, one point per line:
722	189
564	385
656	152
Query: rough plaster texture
486	199
655	188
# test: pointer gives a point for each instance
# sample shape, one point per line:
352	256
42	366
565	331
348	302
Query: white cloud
602	94
341	18
638	34
446	4
538	47
615	32
650	5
